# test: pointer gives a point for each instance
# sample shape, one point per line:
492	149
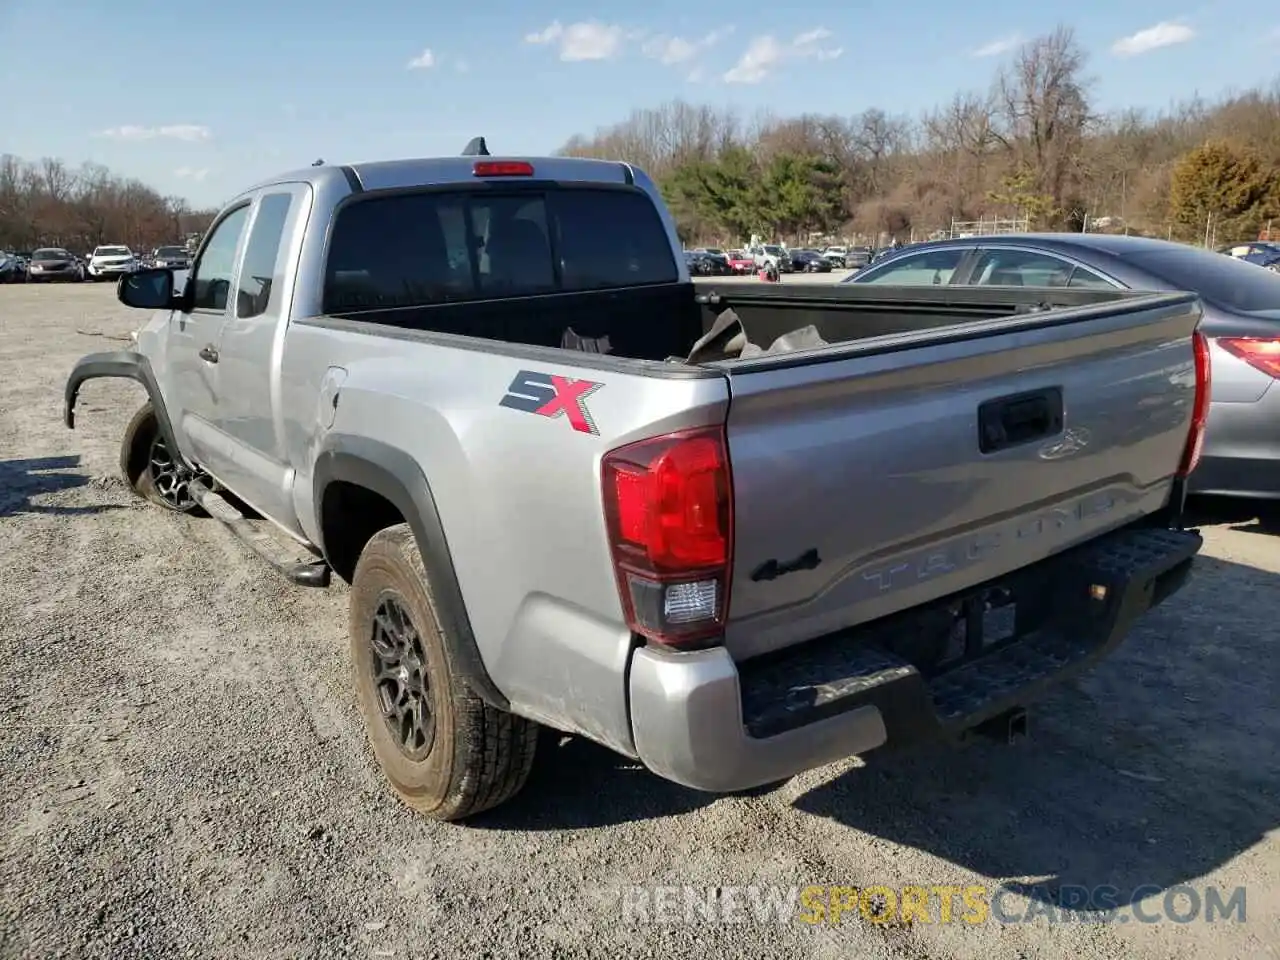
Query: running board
282	557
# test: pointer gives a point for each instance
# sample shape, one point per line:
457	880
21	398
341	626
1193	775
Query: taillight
1200	408
502	168
668	504
1258	353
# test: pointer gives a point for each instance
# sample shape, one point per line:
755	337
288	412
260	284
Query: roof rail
476	148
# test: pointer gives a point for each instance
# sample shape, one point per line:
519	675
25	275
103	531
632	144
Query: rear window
1222	281
420	249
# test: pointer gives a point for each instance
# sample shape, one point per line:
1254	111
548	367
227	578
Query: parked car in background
809	261
836	255
111	261
1241	322
740	262
50	264
858	257
1261	252
173	258
771	253
721	265
12	270
705	265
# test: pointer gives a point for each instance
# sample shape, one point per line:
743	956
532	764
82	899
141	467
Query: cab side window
212	273
259	270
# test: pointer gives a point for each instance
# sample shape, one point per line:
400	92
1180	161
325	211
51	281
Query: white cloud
676	50
765	54
549	34
190	173
588	40
1165	34
999	46
423	61
670	50
190	132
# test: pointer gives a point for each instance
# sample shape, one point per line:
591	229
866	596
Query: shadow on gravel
1246	516
20	480
577	784
1153	770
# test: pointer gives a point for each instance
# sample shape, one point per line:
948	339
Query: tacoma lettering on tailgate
550	395
941	559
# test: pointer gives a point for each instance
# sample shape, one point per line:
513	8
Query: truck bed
863	484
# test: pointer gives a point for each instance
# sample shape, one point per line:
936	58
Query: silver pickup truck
732	531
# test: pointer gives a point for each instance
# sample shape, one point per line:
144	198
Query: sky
202	100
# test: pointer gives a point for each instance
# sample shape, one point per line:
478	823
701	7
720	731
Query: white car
771	253
109	262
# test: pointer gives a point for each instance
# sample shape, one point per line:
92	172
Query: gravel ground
182	771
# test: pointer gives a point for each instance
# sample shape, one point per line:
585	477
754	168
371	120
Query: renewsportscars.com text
931	904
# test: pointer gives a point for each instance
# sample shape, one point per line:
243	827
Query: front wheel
150	468
446	752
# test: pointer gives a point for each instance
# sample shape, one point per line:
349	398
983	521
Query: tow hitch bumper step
1099	590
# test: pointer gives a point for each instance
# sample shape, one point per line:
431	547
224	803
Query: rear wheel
446	753
150	468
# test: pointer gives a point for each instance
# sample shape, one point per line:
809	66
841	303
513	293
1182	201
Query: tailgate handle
1021	418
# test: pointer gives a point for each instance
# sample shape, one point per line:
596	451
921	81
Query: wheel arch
349	463
129	365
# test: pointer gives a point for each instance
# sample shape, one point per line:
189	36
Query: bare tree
1044	108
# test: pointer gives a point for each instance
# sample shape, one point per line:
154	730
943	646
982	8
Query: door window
1030	268
920	269
212	273
258	272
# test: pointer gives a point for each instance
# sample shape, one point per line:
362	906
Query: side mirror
147	289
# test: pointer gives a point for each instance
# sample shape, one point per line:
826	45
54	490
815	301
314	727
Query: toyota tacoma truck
733	532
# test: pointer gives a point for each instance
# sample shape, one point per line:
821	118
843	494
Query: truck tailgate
877	476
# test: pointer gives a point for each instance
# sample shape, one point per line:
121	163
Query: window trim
192	276
1075	262
513	185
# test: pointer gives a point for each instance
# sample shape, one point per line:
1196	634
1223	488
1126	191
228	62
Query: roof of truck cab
431	171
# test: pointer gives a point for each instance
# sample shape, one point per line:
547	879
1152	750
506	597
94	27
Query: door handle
1022	418
208	354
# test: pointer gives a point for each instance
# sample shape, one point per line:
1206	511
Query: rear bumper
703	721
1241	449
1238	477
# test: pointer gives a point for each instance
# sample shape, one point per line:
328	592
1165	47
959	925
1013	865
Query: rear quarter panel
518	494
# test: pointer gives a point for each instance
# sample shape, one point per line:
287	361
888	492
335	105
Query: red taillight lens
668	504
1258	353
1200	409
502	168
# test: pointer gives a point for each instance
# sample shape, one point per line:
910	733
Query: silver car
1241	319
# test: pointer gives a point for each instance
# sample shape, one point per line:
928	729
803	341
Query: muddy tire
149	469
446	753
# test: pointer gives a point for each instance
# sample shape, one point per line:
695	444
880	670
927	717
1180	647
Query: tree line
47	203
1030	146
